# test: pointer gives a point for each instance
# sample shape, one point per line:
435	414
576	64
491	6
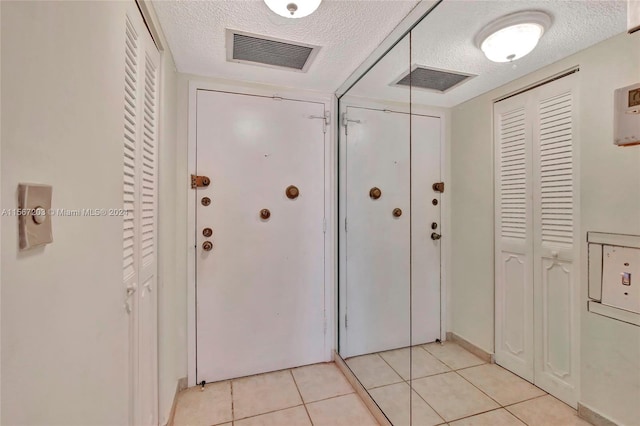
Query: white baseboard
477	351
593	417
180	386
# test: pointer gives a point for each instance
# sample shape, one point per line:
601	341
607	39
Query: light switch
34	202
619	290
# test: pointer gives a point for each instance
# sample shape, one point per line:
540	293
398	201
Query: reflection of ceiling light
293	8
513	36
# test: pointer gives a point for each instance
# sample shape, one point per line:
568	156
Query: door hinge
345	321
345	224
324	225
346	121
326	117
199	181
325	323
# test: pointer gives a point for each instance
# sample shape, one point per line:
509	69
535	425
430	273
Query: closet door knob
207	246
435	236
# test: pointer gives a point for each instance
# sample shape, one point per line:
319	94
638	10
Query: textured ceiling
347	31
444	40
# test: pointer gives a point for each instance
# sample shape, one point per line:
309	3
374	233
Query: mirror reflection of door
393	264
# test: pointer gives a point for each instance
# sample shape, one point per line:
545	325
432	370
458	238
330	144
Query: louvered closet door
141	107
537	292
514	242
556	293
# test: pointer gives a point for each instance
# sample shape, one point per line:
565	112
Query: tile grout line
482	362
483	392
500	406
411	390
262	414
304	404
386	362
482	412
233	415
526	400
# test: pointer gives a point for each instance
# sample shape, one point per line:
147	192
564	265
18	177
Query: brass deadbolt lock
292	192
434	226
207	246
375	193
438	187
265	214
397	212
199	181
206	201
207	232
434	202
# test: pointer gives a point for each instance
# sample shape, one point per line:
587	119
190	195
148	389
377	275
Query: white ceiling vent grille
270	52
432	79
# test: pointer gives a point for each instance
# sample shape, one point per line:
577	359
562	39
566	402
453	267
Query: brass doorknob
435	236
292	192
397	212
265	214
207	232
207	246
375	193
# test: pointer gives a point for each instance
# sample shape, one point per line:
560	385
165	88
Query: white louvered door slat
141	108
514	312
130	261
556	295
536	233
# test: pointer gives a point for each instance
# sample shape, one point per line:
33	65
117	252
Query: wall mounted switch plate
621	278
34	203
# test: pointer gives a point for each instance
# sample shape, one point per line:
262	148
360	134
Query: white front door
378	256
260	289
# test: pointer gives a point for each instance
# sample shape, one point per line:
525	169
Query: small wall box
627	115
614	276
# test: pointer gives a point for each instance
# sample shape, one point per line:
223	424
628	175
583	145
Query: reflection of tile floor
313	395
452	385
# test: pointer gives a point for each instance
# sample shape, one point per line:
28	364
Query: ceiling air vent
270	52
432	79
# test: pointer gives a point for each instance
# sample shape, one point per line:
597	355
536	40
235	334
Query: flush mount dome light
293	8
512	36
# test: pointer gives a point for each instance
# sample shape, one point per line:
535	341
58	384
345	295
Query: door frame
444	115
330	199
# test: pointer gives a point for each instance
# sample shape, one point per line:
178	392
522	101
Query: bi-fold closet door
536	237
141	61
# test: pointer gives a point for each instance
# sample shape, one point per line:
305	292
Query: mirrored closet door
421	308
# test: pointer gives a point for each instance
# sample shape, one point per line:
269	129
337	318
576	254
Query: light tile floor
450	386
313	395
453	386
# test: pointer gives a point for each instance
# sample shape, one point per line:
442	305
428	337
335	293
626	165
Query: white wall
610	184
172	336
64	329
64	353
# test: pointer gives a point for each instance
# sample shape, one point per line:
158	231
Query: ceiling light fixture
293	8
513	36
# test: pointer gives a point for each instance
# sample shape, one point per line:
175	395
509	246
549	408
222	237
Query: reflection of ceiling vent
266	51
432	79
